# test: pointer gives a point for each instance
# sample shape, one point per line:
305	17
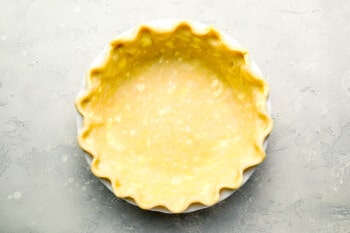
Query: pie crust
173	115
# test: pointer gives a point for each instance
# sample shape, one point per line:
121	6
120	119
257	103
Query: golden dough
172	117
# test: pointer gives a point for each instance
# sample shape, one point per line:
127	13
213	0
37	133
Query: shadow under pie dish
174	116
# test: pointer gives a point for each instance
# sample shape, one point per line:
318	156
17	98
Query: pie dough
171	117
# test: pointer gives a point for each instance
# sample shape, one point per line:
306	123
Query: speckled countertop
303	50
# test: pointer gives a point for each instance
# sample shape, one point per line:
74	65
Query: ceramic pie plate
171	34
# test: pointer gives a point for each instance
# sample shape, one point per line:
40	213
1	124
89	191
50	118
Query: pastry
172	116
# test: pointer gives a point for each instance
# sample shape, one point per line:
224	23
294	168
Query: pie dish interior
173	116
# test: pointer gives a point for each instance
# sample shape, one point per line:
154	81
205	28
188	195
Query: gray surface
302	47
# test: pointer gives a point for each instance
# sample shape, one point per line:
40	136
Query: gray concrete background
302	47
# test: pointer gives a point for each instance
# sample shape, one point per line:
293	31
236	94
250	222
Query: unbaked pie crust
172	116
